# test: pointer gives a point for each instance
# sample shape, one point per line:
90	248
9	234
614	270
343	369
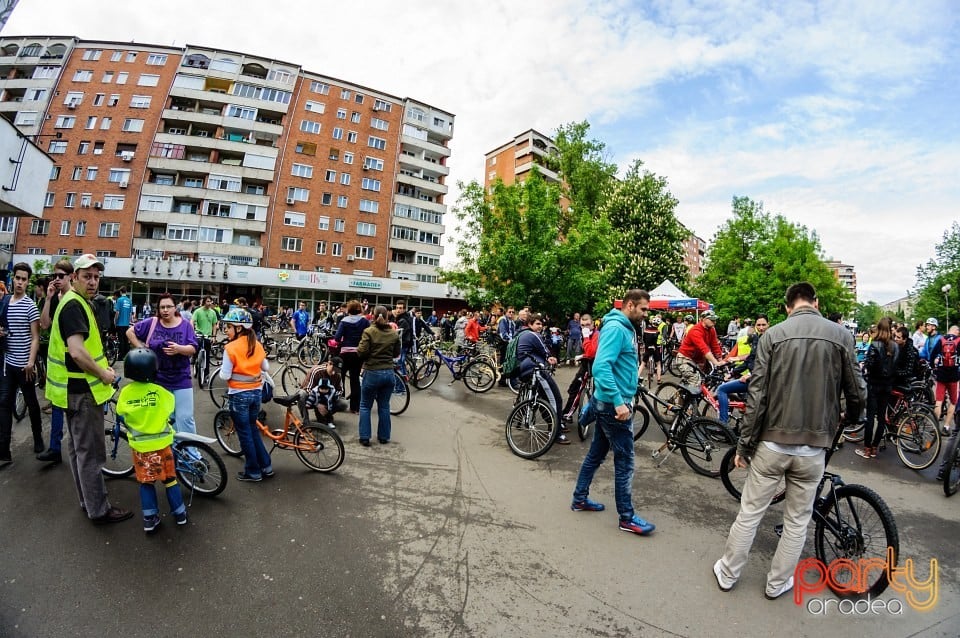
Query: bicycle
852	523
581	398
912	427
951	471
201	367
702	441
317	445
197	465
111	347
477	373
40	381
533	426
400	399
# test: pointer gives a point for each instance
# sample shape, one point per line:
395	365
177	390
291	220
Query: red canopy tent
667	296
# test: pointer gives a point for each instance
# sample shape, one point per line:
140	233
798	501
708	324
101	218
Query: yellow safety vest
146	410
743	345
57	374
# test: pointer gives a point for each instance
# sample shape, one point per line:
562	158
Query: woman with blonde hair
379	346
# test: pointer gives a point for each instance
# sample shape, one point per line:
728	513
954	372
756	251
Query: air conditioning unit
97	205
98	151
291	201
123	184
126	156
351	258
71	106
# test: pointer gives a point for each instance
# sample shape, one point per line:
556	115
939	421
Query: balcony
167	165
413	201
422	164
185	115
179	246
549	175
436	149
188	192
220	144
226	98
423	184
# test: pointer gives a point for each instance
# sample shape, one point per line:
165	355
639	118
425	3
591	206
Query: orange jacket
247	371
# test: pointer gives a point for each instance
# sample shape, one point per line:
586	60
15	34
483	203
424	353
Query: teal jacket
615	367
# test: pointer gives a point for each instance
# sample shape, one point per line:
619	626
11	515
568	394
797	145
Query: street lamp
946	301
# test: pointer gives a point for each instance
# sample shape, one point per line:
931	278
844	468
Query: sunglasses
60	275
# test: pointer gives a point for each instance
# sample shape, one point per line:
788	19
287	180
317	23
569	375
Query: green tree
648	238
511	250
585	173
941	269
867	314
755	256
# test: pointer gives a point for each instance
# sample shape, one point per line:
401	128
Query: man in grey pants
793	411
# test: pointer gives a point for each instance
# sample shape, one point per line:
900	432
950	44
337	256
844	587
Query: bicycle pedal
778	529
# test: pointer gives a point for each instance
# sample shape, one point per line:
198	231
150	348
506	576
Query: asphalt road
443	532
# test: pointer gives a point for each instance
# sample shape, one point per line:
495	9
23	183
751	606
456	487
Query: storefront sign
370	284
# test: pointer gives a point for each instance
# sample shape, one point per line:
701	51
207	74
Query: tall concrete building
512	161
845	274
203	171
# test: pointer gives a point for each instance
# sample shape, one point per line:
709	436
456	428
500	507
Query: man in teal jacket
615	383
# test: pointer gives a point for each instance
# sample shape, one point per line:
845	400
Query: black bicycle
852	523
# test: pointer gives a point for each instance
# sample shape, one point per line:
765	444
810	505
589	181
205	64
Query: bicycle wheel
918	439
514	384
291	378
583	430
318	447
400	398
425	374
531	428
119	458
671	394
216	353
111	350
853	432
199	467
309	355
951	471
733	478
41	371
283	353
200	367
20	406
226	434
217	388
703	442
479	376
641	419
854	523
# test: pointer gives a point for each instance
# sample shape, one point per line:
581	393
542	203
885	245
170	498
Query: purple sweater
173	372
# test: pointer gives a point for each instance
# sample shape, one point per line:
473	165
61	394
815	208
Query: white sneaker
722	582
787	586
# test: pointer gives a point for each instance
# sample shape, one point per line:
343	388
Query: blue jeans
183	411
618	436
244	408
56	428
723	396
377	384
148	498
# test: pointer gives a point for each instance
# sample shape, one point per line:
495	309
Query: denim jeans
723	396
14	377
56	428
244	408
148	499
377	385
183	411
610	434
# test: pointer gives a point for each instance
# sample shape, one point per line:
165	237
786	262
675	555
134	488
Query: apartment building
694	253
845	274
513	161
182	165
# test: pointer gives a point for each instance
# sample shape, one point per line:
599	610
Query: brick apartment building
205	171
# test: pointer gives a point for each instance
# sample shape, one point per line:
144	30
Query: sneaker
151	523
787	586
113	515
636	525
243	476
586	505
563	440
268	475
565	420
722	582
181	518
50	456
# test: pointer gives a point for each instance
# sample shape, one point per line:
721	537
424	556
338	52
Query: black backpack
886	367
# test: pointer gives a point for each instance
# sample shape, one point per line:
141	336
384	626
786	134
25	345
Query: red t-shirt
698	341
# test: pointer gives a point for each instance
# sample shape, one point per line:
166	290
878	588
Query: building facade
512	162
845	274
184	165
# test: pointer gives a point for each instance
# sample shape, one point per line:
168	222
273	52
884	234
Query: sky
839	115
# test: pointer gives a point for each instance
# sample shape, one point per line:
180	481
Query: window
131	56
132	125
114	99
336	250
324	223
214	209
98	99
338	133
83	148
109	229
381	105
348	158
8	224
377	142
82	75
339	225
373	163
92	122
92	54
118	175
370	184
342	201
330	176
292	244
341	114
437	122
74	98
40	227
182	233
379	124
106	253
326	199
189	182
211	235
280	75
71	200
243	112
122	77
334	154
306	148
321	248
57	147
366	229
289	266
298	194
115	57
98	148
48	200
85	200
315	107
107	77
302	170
358	99
26	118
105	123
65	121
156	59
320	87
369	206
344	94
77	173
308	126
147	79
113	202
224	183
345	179
140	102
294	219
81	228
91	173
352	137
363	252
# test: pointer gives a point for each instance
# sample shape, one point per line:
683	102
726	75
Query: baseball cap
87	261
932	321
709	314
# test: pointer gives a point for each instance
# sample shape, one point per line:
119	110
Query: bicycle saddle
288	400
